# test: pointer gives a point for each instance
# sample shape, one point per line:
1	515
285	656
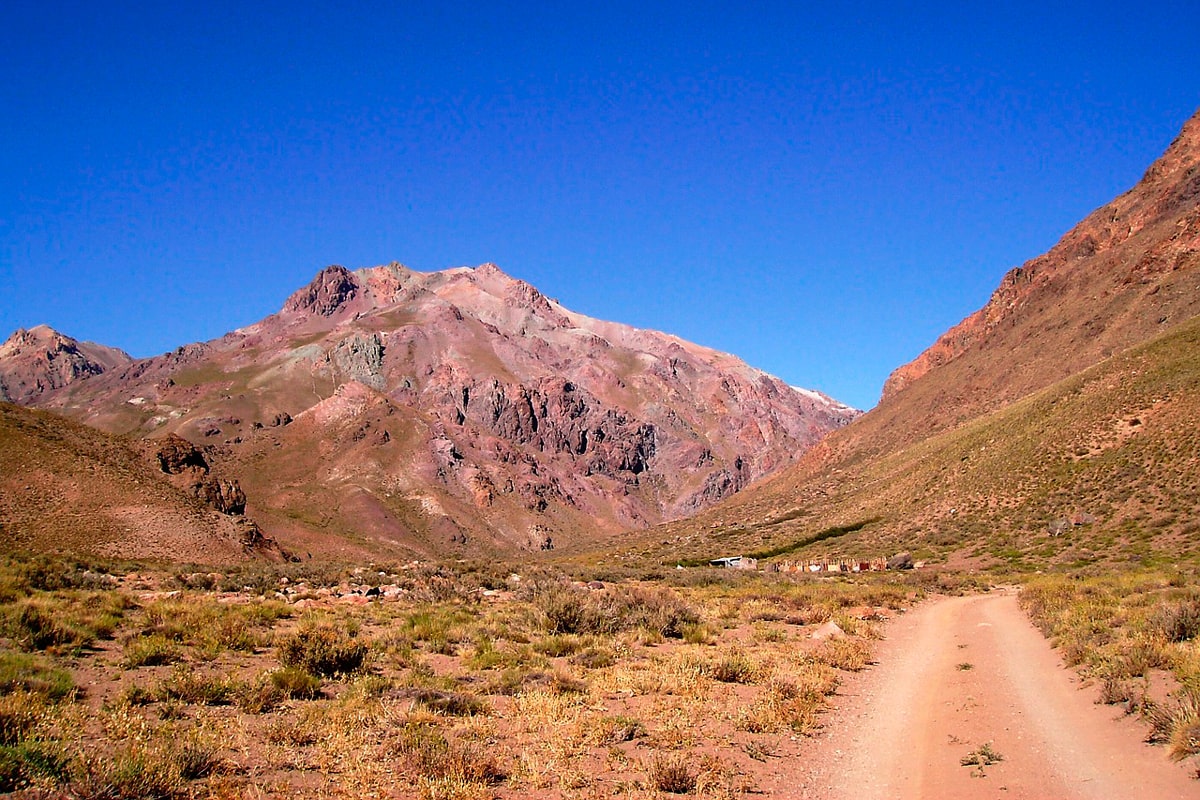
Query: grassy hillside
1115	449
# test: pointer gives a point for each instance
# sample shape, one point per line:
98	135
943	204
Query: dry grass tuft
671	773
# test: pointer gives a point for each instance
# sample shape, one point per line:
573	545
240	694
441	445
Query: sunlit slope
1113	452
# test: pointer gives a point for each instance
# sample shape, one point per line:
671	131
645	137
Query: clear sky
819	188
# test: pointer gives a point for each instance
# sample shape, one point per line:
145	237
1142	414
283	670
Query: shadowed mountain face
451	411
1070	397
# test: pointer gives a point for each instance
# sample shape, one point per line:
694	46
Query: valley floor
969	679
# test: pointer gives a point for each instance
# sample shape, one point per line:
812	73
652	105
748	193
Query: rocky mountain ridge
459	409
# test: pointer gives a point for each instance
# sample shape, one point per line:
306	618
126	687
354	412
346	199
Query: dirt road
960	673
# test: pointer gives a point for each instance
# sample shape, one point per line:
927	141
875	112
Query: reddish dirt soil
902	728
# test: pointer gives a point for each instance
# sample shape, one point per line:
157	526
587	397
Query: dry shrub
323	650
134	773
451	704
192	687
615	609
296	684
845	653
1176	724
19	715
428	755
558	645
671	773
1114	689
150	651
1176	621
734	667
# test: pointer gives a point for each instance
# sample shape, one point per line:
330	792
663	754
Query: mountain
459	411
40	359
65	487
1070	397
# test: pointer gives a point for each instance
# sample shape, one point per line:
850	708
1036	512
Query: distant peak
332	288
39	335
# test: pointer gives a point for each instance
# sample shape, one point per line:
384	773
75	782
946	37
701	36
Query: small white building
735	562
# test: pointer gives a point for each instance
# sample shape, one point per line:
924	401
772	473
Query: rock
900	561
223	495
830	630
176	455
360	358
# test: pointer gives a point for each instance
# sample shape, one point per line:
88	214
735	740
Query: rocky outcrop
178	457
359	357
333	287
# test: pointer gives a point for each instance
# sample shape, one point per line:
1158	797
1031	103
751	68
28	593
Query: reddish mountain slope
1071	395
1125	274
457	408
66	487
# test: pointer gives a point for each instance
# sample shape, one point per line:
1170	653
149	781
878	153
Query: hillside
65	487
1101	467
1031	412
454	412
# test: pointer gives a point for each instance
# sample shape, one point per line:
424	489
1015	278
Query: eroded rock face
360	358
223	495
176	455
180	458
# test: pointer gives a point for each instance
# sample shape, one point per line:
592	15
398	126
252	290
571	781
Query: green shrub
35	628
22	672
323	650
150	651
295	683
22	763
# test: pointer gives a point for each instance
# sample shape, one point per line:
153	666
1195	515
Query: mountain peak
331	289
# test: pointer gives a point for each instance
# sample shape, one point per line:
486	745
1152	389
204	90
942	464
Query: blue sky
820	189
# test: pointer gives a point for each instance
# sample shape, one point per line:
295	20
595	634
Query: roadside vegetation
1137	636
122	681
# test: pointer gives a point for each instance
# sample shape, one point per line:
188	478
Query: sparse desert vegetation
1135	635
460	683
